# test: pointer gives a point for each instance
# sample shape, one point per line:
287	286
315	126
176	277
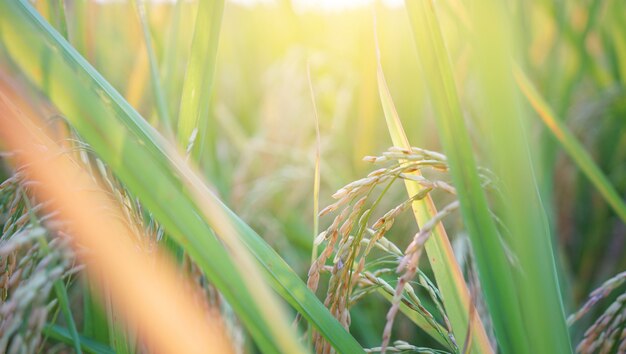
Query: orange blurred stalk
145	287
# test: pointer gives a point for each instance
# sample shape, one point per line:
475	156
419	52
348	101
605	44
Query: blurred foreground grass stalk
72	193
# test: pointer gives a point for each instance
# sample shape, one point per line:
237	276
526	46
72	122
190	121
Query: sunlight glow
299	5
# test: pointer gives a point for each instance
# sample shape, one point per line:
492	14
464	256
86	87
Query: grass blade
94	319
509	152
61	292
192	124
88	345
445	267
169	55
571	145
62	18
155	80
493	265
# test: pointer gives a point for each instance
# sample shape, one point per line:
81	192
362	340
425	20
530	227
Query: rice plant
205	176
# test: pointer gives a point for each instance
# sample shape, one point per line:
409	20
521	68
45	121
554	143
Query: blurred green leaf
571	145
510	155
194	104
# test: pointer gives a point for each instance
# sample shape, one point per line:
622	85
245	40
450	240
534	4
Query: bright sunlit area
312	176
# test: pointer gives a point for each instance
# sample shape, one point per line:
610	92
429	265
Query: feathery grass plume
608	332
352	274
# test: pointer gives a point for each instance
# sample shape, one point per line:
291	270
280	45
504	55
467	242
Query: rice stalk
351	240
31	269
411	306
404	347
607	334
59	287
600	293
409	265
447	271
492	262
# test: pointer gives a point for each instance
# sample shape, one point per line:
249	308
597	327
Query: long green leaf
509	152
493	265
447	272
153	171
571	145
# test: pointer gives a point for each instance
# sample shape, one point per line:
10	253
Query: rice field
211	176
